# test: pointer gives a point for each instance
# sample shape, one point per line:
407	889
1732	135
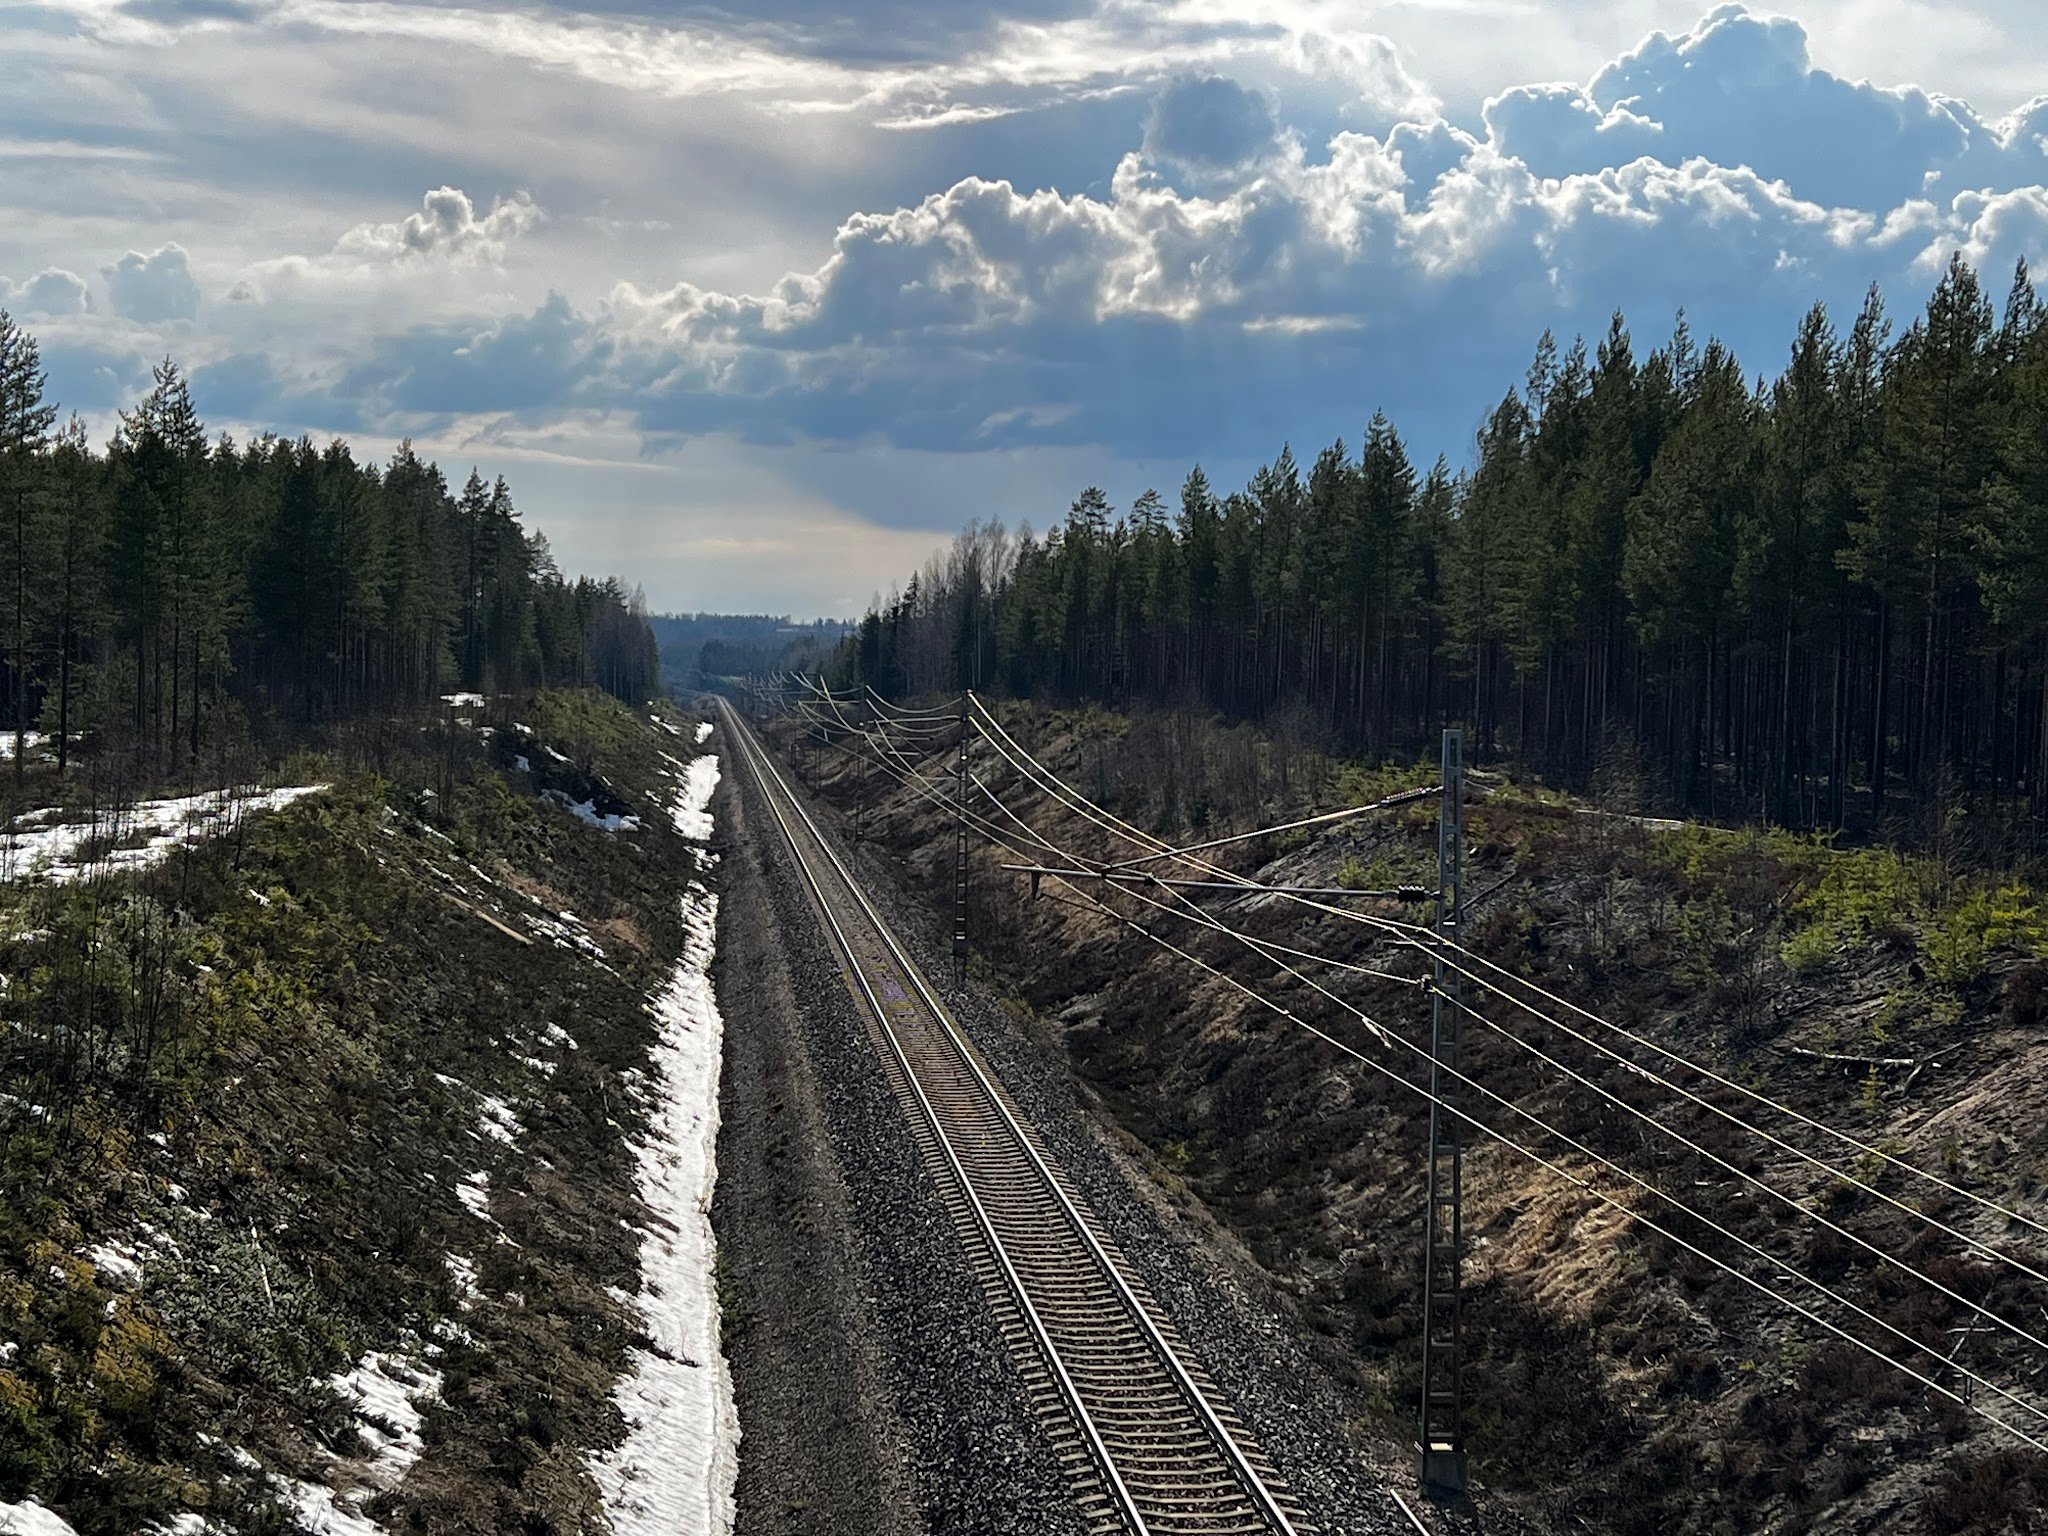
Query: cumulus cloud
1742	90
446	227
151	288
1719	170
1238	278
52	291
1413	270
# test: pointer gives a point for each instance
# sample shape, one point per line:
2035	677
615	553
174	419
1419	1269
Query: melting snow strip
36	846
474	1191
675	1473
690	814
499	1122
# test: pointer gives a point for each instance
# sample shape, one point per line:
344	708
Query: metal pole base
1443	1472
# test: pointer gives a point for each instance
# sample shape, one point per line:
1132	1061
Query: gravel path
874	1392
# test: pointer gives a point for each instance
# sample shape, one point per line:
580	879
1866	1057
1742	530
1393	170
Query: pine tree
159	451
421	591
25	421
1922	488
77	607
1482	562
2011	533
1678	565
1386	507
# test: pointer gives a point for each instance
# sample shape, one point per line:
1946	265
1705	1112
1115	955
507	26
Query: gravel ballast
1196	1271
874	1390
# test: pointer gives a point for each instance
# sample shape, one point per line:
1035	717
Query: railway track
1146	1441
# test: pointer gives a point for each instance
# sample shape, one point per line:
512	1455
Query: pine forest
1806	597
172	591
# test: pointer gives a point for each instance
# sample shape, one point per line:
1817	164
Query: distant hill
697	646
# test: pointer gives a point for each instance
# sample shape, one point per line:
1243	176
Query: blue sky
757	303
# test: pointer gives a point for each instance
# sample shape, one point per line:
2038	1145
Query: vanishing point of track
1146	1442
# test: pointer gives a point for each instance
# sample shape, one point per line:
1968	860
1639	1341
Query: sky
755	304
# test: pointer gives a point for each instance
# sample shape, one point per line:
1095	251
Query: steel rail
763	770
1251	1483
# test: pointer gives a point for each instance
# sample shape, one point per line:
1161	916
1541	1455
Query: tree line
1811	597
146	586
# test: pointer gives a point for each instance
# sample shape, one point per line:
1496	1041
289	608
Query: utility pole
960	852
860	806
1443	1364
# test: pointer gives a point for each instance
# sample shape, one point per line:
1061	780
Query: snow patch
586	811
30	741
323	1515
474	1191
689	814
703	732
37	845
499	1122
385	1392
116	1262
675	1473
31	1519
567	931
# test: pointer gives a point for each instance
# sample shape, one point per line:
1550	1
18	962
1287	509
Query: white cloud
446	227
152	288
445	256
965	63
1741	90
52	291
1227	267
1998	223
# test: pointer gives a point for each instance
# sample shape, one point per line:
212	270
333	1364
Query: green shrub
1809	951
1960	941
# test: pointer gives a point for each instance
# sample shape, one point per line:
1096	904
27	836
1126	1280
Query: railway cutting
1146	1441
